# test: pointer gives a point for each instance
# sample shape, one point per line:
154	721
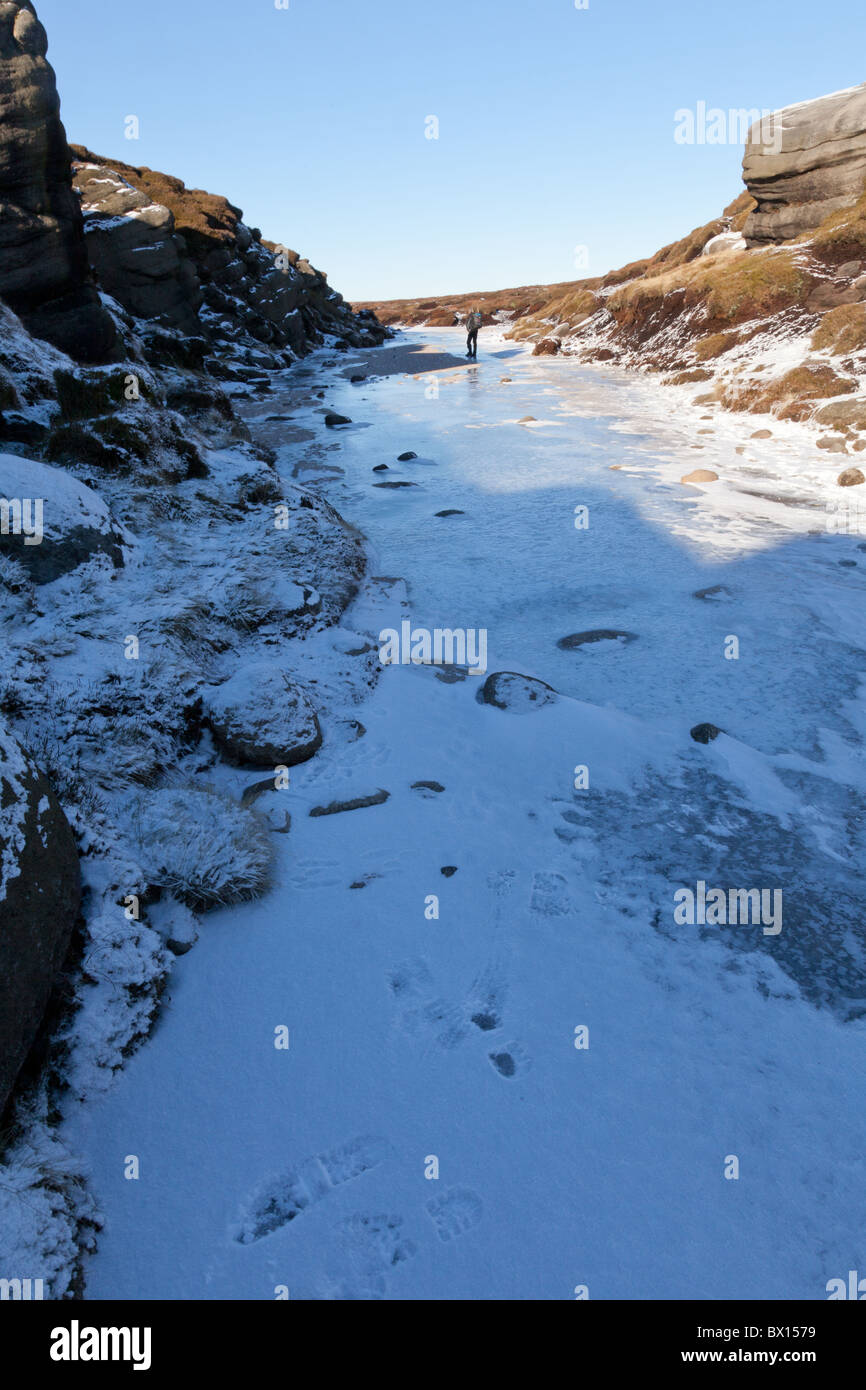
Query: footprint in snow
511	1060
366	1250
422	1010
486	998
280	1200
455	1212
549	897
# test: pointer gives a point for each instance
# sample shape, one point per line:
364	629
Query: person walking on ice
473	323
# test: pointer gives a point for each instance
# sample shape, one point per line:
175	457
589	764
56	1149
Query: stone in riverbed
714	591
705	733
700	475
259	716
597	634
851	477
451	511
357	803
512	691
332	419
405	458
395	484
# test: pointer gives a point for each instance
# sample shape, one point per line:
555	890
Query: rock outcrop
805	163
183	256
138	257
44	272
40	894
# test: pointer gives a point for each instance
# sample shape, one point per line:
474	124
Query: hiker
473	323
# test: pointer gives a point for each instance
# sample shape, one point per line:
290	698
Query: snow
416	1034
67	502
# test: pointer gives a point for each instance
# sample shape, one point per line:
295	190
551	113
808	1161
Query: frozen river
524	1078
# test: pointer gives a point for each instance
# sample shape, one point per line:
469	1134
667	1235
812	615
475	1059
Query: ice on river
525	1079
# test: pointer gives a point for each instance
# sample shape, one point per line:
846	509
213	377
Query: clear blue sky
555	124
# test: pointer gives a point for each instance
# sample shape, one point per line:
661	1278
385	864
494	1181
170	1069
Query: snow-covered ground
437	1017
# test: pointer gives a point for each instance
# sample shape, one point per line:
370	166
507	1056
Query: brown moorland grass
715	345
841	330
731	289
789	396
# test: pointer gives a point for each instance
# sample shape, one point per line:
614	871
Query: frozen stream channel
416	1037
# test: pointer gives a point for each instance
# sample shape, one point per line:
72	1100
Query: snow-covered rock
515	692
260	716
725	241
50	522
40	893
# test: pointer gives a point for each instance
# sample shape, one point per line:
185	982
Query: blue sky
555	124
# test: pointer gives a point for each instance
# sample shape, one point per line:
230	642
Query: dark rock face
44	272
40	895
134	249
174	252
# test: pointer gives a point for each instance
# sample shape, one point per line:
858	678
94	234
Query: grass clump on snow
203	847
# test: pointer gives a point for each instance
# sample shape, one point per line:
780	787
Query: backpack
474	321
